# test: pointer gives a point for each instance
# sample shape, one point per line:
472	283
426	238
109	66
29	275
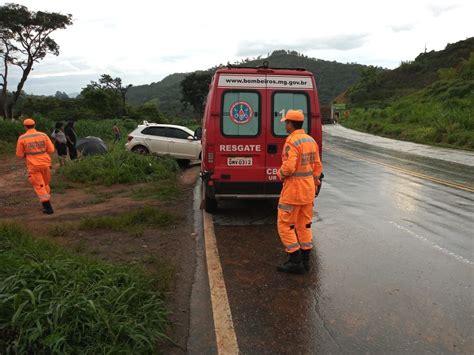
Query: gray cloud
173	58
338	42
402	27
439	10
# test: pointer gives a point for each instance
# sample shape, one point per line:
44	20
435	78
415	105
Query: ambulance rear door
240	154
284	92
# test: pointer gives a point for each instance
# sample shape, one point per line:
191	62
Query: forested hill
429	100
332	78
165	94
377	86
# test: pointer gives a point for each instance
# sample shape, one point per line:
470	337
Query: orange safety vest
36	147
301	167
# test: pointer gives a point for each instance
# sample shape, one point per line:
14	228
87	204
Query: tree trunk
19	88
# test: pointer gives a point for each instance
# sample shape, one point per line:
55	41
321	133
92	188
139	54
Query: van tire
210	204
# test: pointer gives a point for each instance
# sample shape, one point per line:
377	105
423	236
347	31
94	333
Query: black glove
320	184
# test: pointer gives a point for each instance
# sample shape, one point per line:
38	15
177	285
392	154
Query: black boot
305	256
293	265
47	208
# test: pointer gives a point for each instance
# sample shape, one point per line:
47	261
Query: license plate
239	161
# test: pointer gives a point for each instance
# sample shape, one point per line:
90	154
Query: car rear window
240	114
284	101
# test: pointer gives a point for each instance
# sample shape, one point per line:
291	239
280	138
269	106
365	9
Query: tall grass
54	302
421	118
120	167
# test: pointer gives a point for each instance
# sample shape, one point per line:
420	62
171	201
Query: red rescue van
243	138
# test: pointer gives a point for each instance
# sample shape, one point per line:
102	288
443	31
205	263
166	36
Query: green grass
167	190
7	147
129	220
54	302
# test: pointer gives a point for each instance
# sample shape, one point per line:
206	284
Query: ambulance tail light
129	138
210	155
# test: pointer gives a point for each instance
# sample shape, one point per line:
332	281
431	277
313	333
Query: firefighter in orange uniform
36	148
301	172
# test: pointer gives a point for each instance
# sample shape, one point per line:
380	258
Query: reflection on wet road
392	269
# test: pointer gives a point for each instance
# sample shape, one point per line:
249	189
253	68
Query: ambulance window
240	114
284	101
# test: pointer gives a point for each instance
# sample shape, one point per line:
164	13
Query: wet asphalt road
392	269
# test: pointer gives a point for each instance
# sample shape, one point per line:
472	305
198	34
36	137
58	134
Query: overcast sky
144	41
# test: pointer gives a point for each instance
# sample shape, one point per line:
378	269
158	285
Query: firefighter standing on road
300	171
36	148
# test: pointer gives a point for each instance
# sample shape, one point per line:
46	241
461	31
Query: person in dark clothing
60	142
71	139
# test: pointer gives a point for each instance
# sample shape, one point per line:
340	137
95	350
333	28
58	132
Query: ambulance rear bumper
246	190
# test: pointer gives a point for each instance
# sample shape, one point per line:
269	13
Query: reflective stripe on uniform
294	246
35	153
305	173
303	140
33	135
306	246
287	208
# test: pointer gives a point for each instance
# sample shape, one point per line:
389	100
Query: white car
165	139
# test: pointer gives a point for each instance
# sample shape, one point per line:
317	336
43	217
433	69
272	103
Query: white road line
223	324
434	245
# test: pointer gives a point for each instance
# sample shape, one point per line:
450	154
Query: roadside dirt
168	251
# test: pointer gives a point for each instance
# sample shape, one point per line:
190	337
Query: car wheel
140	149
183	163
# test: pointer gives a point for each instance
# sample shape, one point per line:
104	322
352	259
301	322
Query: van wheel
210	204
140	149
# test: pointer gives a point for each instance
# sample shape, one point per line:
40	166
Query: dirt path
168	252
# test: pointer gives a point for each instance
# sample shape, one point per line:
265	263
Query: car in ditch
176	141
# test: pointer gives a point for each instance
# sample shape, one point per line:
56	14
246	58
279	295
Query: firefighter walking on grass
35	147
300	171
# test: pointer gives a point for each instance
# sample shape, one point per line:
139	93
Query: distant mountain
332	78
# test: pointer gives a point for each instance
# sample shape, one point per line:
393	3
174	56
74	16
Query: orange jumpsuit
36	147
300	171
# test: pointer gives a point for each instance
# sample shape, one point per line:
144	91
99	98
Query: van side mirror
190	138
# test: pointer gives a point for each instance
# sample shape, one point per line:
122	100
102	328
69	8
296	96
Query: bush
120	167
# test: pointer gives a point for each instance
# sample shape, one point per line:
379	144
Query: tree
194	89
106	97
108	82
25	40
61	95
